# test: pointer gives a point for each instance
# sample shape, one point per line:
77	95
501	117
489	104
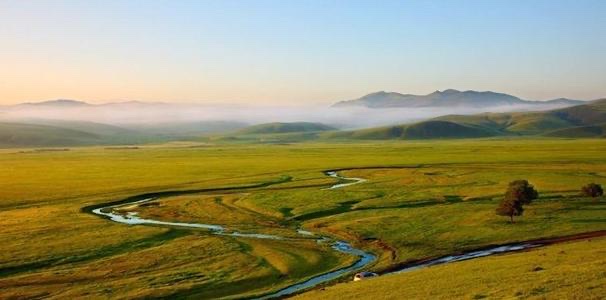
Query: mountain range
56	103
382	99
449	98
585	120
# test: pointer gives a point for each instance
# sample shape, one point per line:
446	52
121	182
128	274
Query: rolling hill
36	135
271	128
59	133
539	123
277	132
35	132
450	98
580	131
587	120
433	129
186	129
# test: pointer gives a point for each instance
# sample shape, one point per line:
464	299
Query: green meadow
564	271
422	199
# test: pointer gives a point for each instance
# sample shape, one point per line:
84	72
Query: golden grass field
575	270
436	197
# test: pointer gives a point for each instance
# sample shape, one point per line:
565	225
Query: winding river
364	258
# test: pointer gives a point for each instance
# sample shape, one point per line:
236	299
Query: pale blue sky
298	51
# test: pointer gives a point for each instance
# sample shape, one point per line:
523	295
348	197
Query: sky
298	52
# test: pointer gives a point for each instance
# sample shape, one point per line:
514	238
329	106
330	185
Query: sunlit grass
565	271
443	202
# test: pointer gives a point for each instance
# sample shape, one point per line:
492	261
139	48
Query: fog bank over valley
140	113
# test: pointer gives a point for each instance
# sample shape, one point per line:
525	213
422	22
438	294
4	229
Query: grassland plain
574	270
438	197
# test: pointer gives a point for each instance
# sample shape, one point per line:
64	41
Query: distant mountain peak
446	91
445	98
59	102
450	91
381	93
448	98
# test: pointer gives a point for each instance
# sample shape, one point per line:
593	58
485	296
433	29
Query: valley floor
421	199
575	270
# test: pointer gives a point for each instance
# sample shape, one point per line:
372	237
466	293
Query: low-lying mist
138	113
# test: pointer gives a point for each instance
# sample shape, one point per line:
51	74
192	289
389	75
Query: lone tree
518	193
592	190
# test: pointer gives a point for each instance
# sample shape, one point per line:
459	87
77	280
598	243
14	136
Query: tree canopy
519	193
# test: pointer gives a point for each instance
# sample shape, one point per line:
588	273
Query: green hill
512	123
587	120
90	127
444	129
422	130
62	133
186	129
379	133
270	128
433	129
35	135
57	133
269	133
580	131
588	114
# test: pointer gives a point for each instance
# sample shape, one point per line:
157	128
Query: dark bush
592	190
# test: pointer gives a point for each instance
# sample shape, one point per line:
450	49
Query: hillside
186	129
271	128
450	98
539	123
588	120
61	133
423	130
566	271
270	133
57	133
95	128
35	135
581	131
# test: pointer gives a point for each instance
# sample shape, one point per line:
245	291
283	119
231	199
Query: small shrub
592	190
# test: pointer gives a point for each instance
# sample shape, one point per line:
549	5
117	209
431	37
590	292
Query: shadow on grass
589	221
213	290
345	207
112	250
342	208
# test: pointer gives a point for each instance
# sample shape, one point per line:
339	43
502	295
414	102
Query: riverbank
112	211
570	269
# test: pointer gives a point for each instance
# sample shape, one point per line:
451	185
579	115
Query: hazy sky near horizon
298	52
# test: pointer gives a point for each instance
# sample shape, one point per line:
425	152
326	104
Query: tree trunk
511	217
